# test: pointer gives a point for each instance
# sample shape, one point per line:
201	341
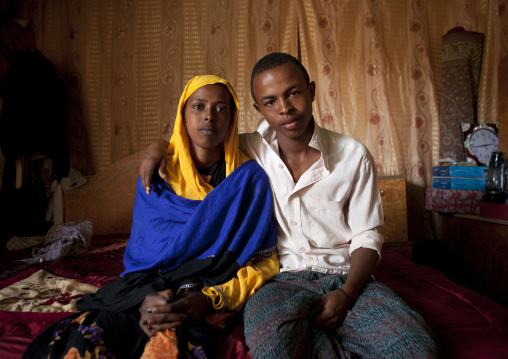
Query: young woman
203	241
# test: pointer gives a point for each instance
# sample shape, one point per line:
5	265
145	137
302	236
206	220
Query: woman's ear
182	112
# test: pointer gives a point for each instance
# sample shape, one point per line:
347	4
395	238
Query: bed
466	324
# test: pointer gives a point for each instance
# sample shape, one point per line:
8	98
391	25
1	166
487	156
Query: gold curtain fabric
377	65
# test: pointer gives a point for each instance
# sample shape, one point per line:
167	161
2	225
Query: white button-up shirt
333	209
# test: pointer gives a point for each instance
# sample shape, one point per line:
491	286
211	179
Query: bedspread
466	324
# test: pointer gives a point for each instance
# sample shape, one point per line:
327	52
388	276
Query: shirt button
280	166
302	249
294	223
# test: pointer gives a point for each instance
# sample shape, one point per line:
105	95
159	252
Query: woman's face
207	117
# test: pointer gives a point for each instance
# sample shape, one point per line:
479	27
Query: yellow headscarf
181	172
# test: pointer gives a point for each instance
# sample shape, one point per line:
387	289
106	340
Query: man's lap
378	325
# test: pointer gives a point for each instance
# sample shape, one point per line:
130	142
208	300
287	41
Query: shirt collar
318	140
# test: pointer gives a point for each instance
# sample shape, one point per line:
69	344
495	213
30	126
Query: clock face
480	143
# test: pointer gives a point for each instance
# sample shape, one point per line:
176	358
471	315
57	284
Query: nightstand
479	247
393	197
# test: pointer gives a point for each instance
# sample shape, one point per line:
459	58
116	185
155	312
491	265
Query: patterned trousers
379	325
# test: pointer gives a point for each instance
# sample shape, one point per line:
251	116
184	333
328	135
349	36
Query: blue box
474	184
460	171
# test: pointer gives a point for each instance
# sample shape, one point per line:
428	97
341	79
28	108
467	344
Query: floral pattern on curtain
372	61
376	63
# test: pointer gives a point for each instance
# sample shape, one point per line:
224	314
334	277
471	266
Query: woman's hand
193	304
157	313
155	156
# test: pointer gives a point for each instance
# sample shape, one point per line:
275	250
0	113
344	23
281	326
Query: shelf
482	219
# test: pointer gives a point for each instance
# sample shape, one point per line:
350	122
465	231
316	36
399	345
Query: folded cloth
61	241
17	243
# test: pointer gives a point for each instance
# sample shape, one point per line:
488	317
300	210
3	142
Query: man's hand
155	156
330	310
157	313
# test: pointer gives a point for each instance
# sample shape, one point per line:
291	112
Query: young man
328	213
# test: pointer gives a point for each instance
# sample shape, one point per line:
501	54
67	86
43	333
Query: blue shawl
176	240
168	230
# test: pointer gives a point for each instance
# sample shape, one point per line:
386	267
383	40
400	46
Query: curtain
376	63
126	63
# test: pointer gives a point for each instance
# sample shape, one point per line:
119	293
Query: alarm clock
480	140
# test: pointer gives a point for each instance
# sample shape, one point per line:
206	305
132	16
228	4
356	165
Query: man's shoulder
338	140
246	135
249	138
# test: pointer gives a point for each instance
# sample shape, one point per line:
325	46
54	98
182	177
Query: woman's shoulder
251	169
251	166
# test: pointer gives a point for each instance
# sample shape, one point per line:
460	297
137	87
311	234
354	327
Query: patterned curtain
126	63
377	65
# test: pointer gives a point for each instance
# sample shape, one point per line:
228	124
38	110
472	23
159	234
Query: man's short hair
273	60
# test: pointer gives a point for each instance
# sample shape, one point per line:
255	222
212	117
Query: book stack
456	188
459	177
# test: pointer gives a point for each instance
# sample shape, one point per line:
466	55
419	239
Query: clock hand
486	145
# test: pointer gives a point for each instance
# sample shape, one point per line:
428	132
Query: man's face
284	98
207	116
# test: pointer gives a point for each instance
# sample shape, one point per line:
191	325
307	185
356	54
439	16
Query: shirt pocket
326	222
